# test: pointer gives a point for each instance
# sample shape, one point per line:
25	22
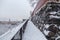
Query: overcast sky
16	9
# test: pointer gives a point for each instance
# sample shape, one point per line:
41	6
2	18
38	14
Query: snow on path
32	33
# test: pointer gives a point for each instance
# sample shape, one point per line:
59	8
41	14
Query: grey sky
17	9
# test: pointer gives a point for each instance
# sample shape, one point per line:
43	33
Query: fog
14	9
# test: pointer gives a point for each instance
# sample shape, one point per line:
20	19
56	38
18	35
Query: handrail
11	33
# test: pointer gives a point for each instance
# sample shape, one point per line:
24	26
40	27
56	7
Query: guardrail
11	33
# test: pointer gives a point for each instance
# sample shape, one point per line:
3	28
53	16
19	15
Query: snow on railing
11	33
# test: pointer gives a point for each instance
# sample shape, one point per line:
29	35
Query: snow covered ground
33	33
5	27
12	32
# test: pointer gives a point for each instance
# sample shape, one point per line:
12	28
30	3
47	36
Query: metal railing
10	34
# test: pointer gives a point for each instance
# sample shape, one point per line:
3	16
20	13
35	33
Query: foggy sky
17	9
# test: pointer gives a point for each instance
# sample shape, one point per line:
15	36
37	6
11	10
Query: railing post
21	32
12	38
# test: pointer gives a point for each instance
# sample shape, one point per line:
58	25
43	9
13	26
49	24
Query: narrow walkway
33	33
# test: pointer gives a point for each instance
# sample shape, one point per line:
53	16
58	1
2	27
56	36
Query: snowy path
32	33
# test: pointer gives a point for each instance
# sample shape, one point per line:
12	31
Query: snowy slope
32	33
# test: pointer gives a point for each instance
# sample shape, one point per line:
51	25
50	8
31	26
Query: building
47	12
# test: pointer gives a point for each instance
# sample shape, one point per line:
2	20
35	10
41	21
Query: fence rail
9	35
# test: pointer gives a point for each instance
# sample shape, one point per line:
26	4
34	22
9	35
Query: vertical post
22	30
12	38
21	33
